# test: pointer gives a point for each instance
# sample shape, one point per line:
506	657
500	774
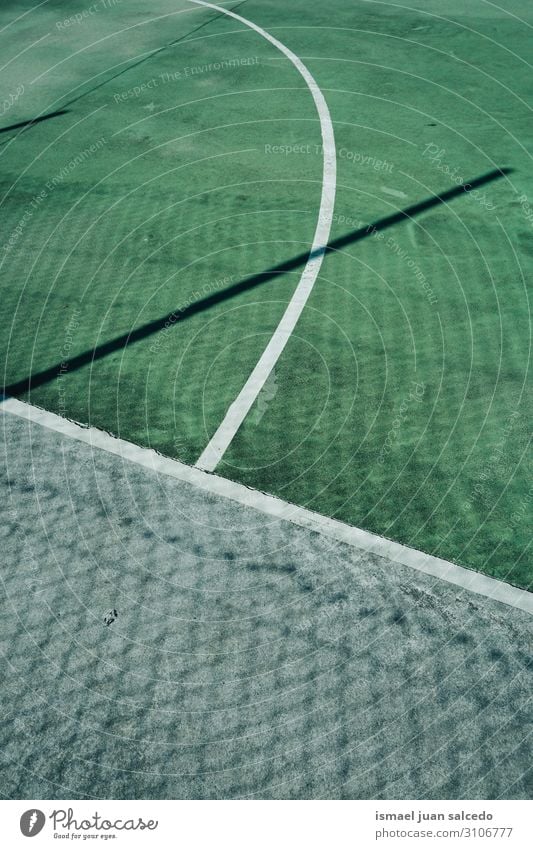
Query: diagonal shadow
152	327
151	55
27	124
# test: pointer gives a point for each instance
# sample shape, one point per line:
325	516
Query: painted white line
239	409
275	507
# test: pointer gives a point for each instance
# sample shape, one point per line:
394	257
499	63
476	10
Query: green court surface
180	154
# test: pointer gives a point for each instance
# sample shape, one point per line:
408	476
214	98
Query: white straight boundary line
270	505
239	409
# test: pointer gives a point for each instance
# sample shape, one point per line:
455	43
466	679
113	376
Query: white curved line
239	409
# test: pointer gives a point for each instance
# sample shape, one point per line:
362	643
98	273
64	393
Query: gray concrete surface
248	657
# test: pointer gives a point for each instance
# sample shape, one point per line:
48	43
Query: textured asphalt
247	657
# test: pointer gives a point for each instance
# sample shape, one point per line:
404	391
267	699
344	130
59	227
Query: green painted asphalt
187	158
